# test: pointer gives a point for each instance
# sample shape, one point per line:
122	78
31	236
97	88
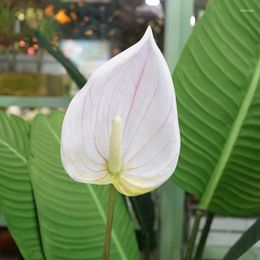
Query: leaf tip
148	35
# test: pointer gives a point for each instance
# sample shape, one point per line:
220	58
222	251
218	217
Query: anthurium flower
122	126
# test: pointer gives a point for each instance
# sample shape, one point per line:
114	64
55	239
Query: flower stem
110	211
193	236
204	236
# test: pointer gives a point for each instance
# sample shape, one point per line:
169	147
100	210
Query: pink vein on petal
164	168
150	160
136	89
145	113
72	162
110	103
156	132
122	99
95	127
82	119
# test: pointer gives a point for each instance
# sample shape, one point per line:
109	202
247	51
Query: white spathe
132	94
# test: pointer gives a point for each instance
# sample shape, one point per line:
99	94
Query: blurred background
36	39
87	32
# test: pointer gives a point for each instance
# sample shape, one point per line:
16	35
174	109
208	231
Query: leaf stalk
204	236
193	236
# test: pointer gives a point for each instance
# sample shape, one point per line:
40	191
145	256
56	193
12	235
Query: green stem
193	236
110	211
204	236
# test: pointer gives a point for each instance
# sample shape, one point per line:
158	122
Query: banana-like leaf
245	242
16	196
72	215
218	91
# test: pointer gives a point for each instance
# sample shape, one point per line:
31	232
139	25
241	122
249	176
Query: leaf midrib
231	140
99	205
9	147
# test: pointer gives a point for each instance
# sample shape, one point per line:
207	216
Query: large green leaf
16	197
245	242
72	215
218	92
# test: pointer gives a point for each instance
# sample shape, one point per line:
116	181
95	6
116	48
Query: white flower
122	126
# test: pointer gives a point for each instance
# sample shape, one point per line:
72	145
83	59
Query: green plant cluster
217	82
50	216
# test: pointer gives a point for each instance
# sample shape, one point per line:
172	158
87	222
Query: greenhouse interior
129	130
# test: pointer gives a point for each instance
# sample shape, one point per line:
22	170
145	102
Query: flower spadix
122	126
